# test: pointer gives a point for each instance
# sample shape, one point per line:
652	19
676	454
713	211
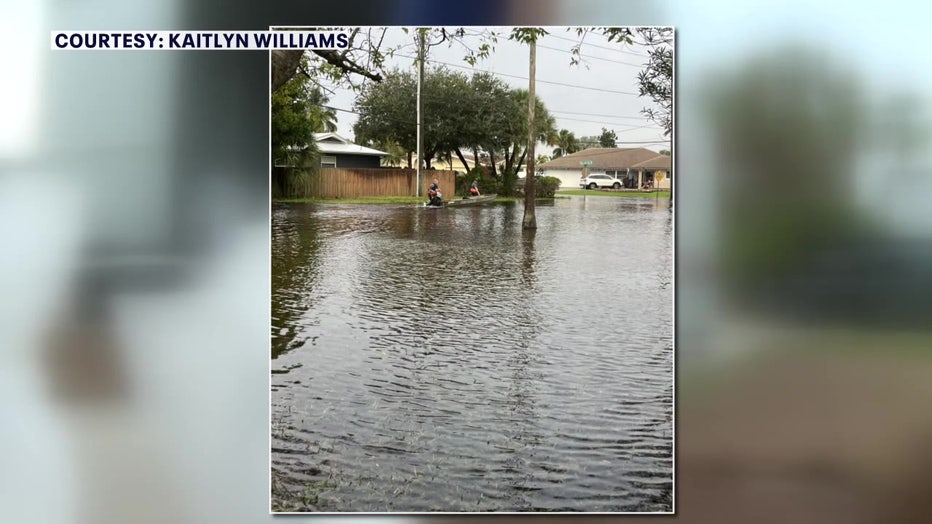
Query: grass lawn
621	194
377	200
362	200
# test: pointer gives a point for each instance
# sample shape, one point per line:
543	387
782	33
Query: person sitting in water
433	194
474	190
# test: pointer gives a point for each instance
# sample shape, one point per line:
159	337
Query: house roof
332	143
658	162
602	158
455	159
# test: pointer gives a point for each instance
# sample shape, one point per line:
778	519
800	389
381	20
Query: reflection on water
444	359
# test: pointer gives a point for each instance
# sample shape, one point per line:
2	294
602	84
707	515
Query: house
615	161
336	151
648	170
454	164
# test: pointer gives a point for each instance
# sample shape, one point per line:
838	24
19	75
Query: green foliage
585	142
526	35
460	112
566	143
487	183
546	186
512	144
656	80
298	111
608	138
293	126
387	111
364	58
396	154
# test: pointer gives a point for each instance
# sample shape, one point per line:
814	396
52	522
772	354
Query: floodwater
446	360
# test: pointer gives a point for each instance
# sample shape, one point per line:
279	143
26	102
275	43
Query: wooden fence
332	182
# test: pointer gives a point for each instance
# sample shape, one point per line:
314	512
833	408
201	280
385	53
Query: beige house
615	161
454	163
655	170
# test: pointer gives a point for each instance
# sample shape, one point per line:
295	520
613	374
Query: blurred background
135	263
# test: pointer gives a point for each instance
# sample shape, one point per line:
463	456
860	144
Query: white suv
600	180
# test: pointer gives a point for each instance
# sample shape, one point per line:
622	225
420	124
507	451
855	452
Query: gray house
336	151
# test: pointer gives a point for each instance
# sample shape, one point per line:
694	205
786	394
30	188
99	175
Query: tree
480	113
656	80
298	111
585	142
387	112
363	57
323	117
516	148
566	143
607	138
363	60
530	36
396	153
665	152
493	113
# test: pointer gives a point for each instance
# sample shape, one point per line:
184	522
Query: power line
575	41
646	142
525	78
599	114
598	46
613	124
392	119
601	122
619	117
591	121
602	115
590	57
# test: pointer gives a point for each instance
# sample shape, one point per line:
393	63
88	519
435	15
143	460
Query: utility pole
530	220
670	176
420	109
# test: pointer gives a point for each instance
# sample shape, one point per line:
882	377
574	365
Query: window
328	161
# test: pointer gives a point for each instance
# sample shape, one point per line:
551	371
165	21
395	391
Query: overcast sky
601	92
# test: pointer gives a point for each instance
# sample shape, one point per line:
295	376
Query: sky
600	92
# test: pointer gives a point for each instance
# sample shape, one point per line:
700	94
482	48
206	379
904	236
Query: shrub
544	187
487	183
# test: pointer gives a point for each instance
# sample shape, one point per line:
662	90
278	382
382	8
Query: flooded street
445	360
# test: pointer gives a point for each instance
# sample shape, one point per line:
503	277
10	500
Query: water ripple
447	361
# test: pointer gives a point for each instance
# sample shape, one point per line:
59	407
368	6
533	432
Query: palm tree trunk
530	218
459	154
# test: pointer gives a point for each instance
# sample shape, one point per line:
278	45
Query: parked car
600	180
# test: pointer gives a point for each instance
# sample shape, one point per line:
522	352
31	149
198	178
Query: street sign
586	163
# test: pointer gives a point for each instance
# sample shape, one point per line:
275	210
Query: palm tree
323	117
396	153
566	144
